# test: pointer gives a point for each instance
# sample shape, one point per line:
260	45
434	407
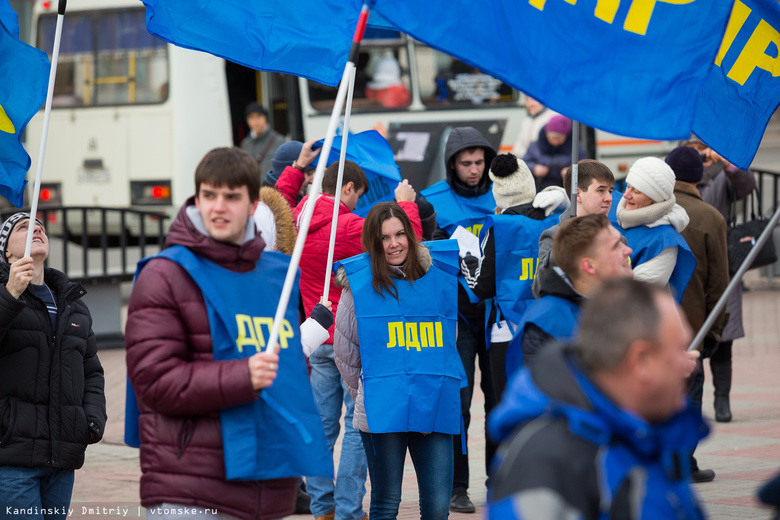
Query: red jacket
181	389
315	251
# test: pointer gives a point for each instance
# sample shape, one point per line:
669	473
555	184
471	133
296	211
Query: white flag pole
46	113
303	228
575	159
339	181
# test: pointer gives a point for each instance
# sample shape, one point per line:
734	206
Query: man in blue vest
589	251
509	246
595	183
602	428
465	199
198	316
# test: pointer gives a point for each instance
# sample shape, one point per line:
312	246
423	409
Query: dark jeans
432	458
471	345
43	493
722	354
695	391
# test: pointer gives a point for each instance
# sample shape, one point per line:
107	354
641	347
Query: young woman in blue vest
395	348
651	220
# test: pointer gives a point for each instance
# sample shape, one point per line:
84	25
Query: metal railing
91	243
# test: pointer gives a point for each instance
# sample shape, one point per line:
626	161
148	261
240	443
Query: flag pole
575	159
339	181
303	229
46	113
736	279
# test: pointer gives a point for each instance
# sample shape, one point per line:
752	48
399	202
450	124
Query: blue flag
632	68
374	155
9	18
307	38
742	89
24	77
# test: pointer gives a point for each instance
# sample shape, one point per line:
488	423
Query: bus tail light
50	194
150	193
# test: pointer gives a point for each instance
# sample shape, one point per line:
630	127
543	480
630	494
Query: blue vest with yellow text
412	373
556	316
280	434
452	210
516	239
647	243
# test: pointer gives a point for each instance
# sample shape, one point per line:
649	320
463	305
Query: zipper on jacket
185	436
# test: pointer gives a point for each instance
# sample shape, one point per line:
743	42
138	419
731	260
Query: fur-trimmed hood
275	219
422	253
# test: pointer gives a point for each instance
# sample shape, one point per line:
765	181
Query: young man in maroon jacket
180	388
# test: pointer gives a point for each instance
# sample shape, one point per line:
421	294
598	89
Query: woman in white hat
651	220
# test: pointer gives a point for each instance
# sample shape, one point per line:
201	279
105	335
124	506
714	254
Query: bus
133	115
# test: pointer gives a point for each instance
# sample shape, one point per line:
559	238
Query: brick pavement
743	453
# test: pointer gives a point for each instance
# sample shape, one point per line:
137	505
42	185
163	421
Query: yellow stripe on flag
5	122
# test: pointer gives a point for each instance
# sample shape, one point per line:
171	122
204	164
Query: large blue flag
307	38
742	89
633	68
24	76
374	155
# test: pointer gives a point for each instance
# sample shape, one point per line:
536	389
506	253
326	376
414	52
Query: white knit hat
653	177
513	182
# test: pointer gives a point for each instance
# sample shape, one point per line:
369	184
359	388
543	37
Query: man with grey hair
601	427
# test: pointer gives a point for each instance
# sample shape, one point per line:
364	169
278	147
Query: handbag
742	237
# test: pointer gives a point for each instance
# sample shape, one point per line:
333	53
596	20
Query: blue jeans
345	497
35	493
432	457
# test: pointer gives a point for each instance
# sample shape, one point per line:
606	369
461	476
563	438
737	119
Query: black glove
709	346
470	268
322	315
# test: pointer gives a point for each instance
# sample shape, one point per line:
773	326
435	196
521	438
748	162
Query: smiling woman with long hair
395	347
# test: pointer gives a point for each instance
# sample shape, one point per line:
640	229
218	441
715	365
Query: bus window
106	58
381	78
446	81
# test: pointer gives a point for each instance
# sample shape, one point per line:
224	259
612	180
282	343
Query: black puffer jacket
52	400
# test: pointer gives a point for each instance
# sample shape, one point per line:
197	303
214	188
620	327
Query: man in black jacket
52	401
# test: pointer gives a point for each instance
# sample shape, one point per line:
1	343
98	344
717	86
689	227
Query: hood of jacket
188	230
323	211
278	219
555	284
556	386
422	253
462	138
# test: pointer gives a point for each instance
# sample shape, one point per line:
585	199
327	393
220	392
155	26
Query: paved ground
743	453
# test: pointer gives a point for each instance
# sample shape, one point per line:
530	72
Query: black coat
52	400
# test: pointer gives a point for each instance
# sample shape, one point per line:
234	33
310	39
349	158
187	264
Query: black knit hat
8	227
686	164
255	108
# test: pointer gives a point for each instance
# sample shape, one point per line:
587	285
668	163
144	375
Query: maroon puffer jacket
181	389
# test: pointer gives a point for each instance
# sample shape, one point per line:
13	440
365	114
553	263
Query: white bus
133	115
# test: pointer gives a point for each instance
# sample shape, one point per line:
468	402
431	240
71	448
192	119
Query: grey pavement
743	453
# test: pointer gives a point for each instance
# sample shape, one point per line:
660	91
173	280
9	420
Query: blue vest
452	210
516	240
280	434
556	316
647	243
412	372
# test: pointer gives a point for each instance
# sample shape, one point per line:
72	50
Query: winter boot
721	380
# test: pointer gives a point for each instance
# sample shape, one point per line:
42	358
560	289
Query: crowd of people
584	419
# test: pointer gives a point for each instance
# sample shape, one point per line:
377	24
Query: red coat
181	389
315	251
